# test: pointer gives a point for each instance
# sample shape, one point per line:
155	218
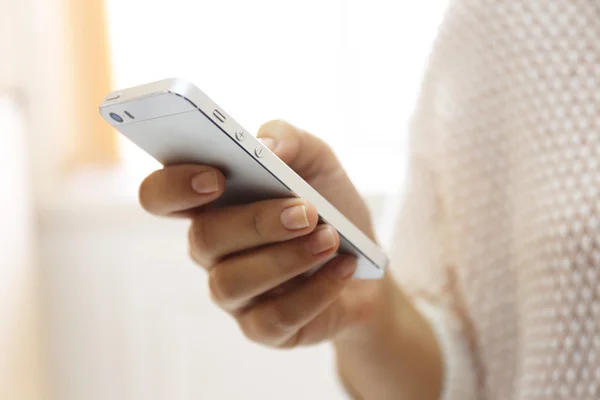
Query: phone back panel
175	130
194	139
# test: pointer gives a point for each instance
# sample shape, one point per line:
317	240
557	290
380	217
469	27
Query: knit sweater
498	237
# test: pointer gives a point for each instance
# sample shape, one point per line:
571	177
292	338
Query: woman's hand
256	255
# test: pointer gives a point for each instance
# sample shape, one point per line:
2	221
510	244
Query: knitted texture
500	226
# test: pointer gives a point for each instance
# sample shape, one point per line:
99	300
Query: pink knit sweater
498	240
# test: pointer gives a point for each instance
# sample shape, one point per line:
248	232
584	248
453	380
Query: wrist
394	345
370	308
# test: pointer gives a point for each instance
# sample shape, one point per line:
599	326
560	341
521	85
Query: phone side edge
281	171
285	174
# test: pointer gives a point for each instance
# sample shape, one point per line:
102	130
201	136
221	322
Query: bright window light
347	71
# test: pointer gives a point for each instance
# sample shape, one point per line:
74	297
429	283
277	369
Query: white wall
19	346
21	370
34	65
130	318
8	47
348	71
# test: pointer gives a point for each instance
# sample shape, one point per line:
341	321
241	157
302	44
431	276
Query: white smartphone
175	122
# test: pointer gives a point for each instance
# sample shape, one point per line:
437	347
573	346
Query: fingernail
295	217
270	143
205	182
344	269
320	241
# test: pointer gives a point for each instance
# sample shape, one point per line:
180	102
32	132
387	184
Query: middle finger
236	281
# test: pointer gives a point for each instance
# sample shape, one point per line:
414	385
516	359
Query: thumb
316	163
306	154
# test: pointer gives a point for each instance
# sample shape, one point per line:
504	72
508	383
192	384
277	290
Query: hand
257	255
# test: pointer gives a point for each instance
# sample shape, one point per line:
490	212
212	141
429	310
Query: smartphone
176	123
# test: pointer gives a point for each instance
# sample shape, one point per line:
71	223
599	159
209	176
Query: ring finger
237	280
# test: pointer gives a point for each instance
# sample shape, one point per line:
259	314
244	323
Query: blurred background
97	299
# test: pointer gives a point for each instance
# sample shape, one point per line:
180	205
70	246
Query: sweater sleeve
421	264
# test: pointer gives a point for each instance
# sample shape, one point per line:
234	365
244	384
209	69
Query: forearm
393	355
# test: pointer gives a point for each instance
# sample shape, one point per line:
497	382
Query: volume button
259	152
240	135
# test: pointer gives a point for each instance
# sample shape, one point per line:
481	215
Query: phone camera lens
116	117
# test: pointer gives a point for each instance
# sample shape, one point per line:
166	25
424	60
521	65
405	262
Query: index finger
179	188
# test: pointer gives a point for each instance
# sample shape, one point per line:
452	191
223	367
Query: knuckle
200	237
284	259
291	343
276	127
191	248
272	124
324	150
248	327
298	259
219	288
279	321
290	260
203	262
268	327
259	225
145	191
264	326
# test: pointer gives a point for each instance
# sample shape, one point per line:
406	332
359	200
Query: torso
515	86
